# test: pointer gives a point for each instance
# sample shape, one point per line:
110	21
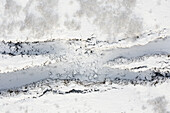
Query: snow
112	20
129	99
84	56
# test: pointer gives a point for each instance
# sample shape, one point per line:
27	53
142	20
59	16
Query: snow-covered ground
109	99
109	20
82	56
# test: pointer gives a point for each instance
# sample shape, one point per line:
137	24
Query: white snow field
84	56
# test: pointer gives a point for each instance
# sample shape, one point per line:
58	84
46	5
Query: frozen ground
81	56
